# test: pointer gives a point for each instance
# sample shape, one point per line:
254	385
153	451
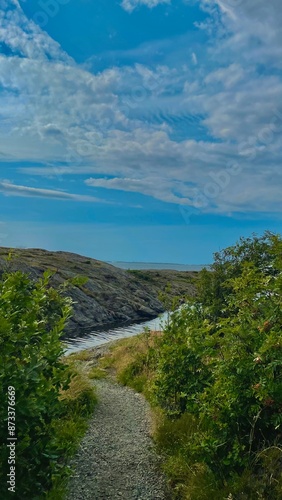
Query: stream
98	337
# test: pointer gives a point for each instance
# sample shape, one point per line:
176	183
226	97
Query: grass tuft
85	355
97	373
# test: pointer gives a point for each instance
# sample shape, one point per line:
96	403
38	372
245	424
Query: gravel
117	458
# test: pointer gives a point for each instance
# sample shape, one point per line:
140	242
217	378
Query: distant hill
111	295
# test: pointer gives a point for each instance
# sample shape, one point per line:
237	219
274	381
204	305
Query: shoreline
95	340
101	327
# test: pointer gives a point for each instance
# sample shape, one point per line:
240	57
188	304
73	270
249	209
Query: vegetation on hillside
215	377
45	400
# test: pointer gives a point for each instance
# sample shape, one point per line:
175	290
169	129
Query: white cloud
151	186
253	28
130	5
24	37
15	190
122	123
194	58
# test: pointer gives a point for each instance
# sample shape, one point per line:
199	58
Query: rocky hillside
111	295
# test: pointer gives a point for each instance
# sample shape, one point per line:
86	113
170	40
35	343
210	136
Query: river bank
103	337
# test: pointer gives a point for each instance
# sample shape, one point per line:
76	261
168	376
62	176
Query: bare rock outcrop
110	296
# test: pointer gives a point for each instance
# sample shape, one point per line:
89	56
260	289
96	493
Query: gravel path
116	459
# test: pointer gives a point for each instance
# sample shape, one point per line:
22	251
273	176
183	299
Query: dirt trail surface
116	458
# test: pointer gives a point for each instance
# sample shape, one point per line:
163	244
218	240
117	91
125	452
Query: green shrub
32	319
220	361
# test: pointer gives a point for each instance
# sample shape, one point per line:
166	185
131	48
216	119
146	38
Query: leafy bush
32	319
213	287
220	361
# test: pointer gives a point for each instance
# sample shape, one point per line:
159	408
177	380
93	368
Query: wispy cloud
152	186
24	38
130	5
9	189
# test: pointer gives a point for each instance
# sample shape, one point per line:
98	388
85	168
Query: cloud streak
130	5
9	189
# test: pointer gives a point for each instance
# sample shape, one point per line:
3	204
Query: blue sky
139	130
